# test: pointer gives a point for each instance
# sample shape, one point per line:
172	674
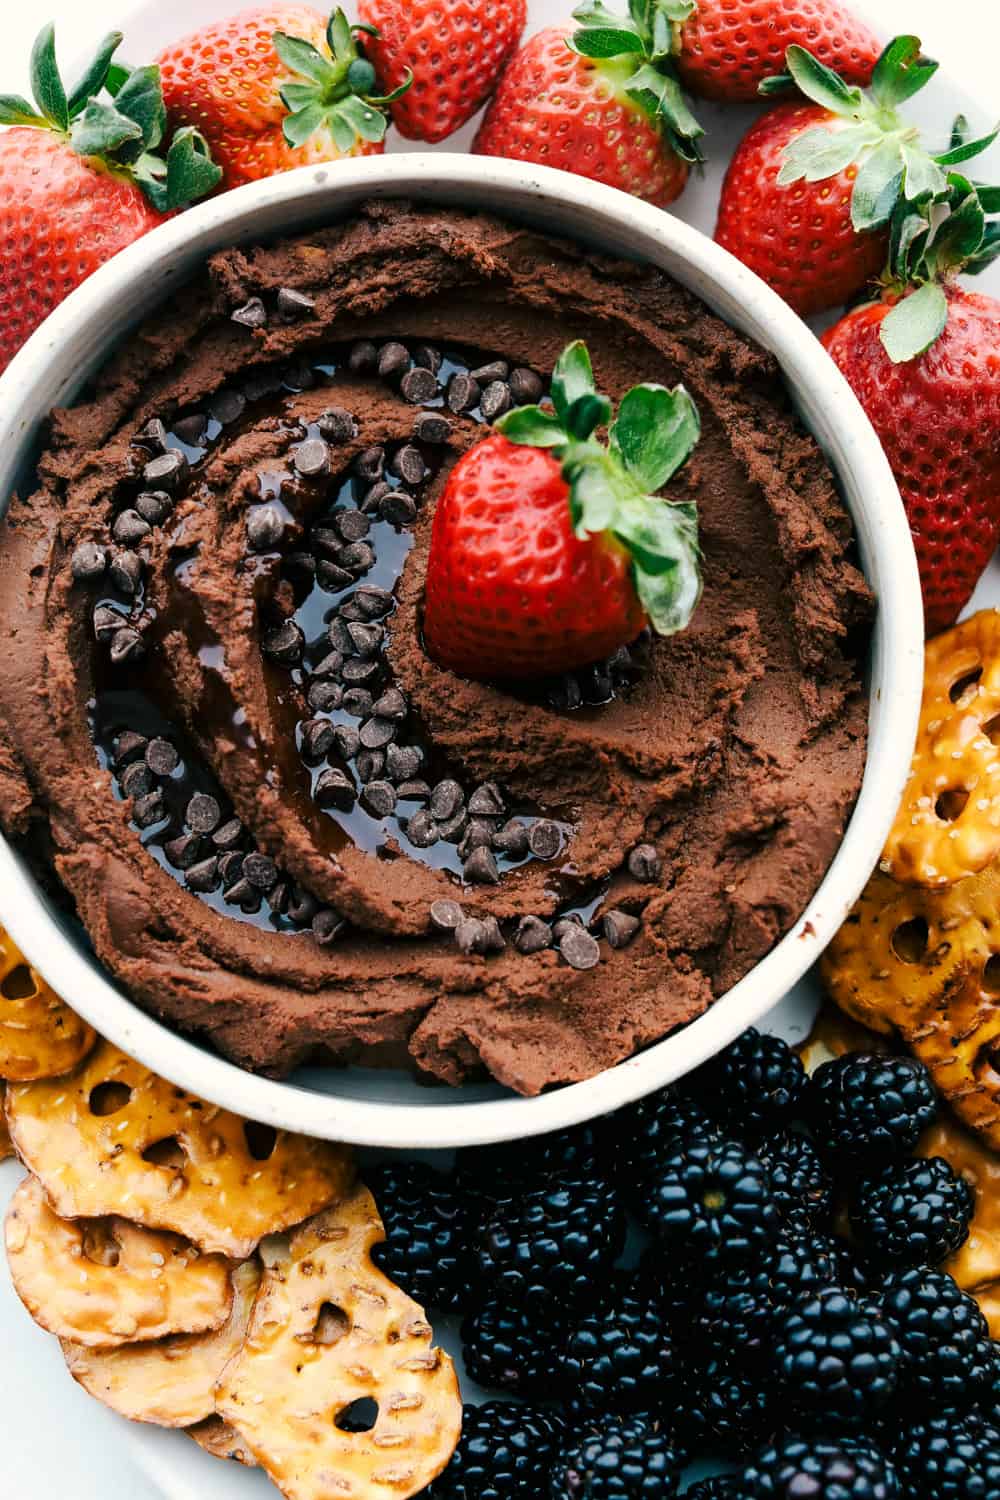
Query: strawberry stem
336	92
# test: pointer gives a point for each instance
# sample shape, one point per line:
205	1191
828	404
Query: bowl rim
30	387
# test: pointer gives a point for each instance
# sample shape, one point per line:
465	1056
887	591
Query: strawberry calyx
641	49
613	485
115	117
338	92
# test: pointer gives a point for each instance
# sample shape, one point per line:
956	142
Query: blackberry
950	1458
555	1243
635	1140
624	1460
755	1085
821	1468
711	1197
802	1187
504	1454
724	1409
622	1356
743	1306
714	1489
426	1249
838	1359
501	1173
508	1348
948	1356
912	1213
871	1110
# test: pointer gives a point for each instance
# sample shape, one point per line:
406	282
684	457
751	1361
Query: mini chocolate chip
357	557
231	868
358	702
563	925
162	757
496	401
526	387
325	697
545	839
393	359
403	761
149	809
352	525
486	801
347	740
497	369
418	386
127	646
204	876
312	458
317	740
327	541
598	687
229	835
130	529
428	358
261	871
300	567
191	429
463	393
644	864
89	562
377	733
446	800
243	895
334	789
129	747
330	665
512	840
379	798
532	935
107	623
153	434
398	508
303	906
137	779
367	640
265	528
370	765
126	572
620	927
392	705
374	603
374	497
227	406
431	427
167	471
332	578
261	382
370	465
327	926
471	936
284	645
298	375
294	304
478	835
253	314
452	830
183	852
446	915
422	830
336	424
407	463
154	506
280	898
565	693
363	357
203	813
413	791
495	940
579	949
359	673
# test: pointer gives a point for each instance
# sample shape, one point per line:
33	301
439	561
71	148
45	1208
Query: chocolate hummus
289	831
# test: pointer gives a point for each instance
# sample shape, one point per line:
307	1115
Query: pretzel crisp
330	1338
222	1441
106	1282
948	826
169	1382
6	1144
40	1037
116	1139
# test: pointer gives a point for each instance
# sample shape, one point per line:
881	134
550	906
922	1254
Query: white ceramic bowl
391	1109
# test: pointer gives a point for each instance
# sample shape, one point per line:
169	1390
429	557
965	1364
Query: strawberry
274	88
80	180
550	550
727	48
813	186
601	100
455	51
924	361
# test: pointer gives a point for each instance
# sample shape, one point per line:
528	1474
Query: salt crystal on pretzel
948	826
332	1341
115	1139
40	1037
222	1441
168	1382
106	1282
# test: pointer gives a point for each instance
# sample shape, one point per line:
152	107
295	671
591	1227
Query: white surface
55	1440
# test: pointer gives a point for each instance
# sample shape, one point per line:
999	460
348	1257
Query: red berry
729	47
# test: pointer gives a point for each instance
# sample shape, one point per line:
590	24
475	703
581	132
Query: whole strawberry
80	179
276	87
727	48
551	550
455	51
813	186
600	99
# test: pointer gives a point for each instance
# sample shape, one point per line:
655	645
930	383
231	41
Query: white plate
57	1441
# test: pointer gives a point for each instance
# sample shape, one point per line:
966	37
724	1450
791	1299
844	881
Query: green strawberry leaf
987	253
967	149
989	197
659	96
340	37
532	427
191	172
101	130
908	239
303	123
141	99
93	77
655	433
915	324
46	83
118	76
901	72
606	43
821	152
594	15
922	174
778	83
820	83
587	413
960	236
663	541
303	58
877	186
295	96
15	110
572	377
367	123
594	495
